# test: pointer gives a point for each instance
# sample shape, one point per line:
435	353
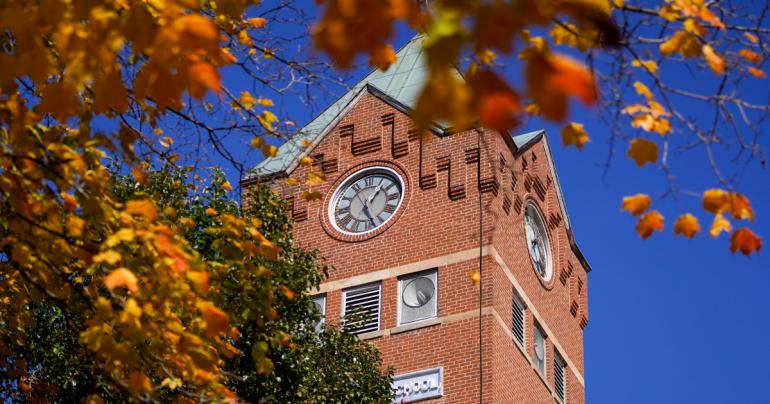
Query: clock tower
451	252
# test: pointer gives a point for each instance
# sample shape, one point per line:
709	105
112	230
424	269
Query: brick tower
404	222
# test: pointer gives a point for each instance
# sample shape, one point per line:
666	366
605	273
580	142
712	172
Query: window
539	349
559	380
518	318
418	294
362	308
320	304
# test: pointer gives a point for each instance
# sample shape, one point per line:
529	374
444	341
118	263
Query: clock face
537	241
366	200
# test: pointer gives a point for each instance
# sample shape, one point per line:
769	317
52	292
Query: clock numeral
394	196
344	221
355	187
369	181
343	211
389	208
389	187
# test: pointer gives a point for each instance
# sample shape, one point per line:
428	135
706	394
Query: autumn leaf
226	185
315	178
475	277
382	57
715	62
684	43
650	65
687	225
199	279
203	76
217	321
643	151
636	204
211	212
257	142
142	207
290	294
715	200
138	383
60	100
751	37
269	150
745	241
311	196
720	225
641	89
740	207
756	72
649	223
552	78
247	100
574	134
750	55
497	104
110	257
257	22
121	278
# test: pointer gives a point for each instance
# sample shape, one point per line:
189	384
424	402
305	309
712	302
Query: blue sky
671	320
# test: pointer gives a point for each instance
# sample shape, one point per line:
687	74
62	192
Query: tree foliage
159	305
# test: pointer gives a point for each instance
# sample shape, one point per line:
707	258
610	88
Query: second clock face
366	201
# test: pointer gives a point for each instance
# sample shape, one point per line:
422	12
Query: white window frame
322	299
536	330
379	305
406	278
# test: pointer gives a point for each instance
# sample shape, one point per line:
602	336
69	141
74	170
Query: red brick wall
439	216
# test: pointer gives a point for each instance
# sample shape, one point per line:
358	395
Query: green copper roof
524	140
403	82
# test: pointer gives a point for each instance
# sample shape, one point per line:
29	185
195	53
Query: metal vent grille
362	309
558	378
518	319
418	295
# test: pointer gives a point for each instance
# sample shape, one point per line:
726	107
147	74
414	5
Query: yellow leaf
486	57
641	89
649	223
311	195
650	65
75	226
636	204
121	278
138	383
291	181
142	207
643	151
124	234
694	28
211	211
202	76
687	225
247	100
715	62
269	150
746	241
475	277
668	13
257	142
574	134
199	279
265	102
682	42
315	178
109	256
382	57
60	100
715	200
306	161
109	93
719	225
226	185
131	313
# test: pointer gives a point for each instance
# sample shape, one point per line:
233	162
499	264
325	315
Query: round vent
418	292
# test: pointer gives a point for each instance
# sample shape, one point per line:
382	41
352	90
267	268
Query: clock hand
373	194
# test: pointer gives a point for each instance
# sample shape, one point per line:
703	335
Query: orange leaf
290	294
649	223
110	256
496	103
70	203
202	76
740	207
757	73
60	100
682	42
687	225
720	225
199	279
475	277
746	241
574	134
636	204
211	211
643	151
382	56
142	207
551	78
138	383
641	89
715	62
257	22
715	200
751	56
751	37
217	321
121	277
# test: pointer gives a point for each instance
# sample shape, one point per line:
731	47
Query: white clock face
366	200
537	242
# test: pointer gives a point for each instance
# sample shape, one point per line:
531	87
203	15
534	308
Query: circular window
537	242
418	292
366	200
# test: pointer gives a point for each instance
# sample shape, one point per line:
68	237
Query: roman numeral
344	221
394	196
389	208
369	181
356	187
343	211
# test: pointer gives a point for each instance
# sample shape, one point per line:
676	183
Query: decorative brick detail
444	163
397	149
528	183
539	188
359	147
554	220
507	204
518	204
502	163
573	308
427	181
489	185
513	181
328	166
472	155
298	215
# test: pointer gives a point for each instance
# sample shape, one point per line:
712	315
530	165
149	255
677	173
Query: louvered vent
419	294
362	309
558	378
518	319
